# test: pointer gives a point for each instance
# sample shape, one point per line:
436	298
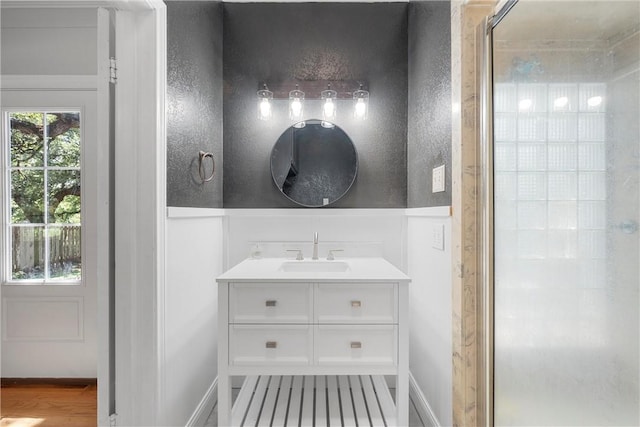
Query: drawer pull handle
271	303
356	344
271	344
356	304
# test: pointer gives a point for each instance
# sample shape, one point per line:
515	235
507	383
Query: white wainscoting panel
430	311
194	242
42	319
383	229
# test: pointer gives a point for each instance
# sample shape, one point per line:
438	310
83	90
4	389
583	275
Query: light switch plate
437	180
438	236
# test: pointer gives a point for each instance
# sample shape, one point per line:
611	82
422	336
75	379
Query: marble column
465	18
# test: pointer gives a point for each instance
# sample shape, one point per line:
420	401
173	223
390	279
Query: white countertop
366	269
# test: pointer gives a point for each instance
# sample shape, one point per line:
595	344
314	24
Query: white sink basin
314	266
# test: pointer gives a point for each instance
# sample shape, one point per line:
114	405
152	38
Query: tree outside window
45	199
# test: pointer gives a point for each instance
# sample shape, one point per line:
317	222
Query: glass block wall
550	194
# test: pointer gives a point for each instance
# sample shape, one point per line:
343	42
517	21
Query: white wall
430	340
383	228
194	254
49	41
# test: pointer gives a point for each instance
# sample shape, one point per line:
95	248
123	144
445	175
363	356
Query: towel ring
201	156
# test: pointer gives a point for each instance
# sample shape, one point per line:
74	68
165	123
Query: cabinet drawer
272	303
270	345
356	303
355	345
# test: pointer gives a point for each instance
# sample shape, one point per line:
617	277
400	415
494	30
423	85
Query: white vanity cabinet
338	324
270	324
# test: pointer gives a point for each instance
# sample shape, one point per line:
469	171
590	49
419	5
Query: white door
50	176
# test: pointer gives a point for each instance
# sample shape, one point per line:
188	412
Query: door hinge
112	420
113	70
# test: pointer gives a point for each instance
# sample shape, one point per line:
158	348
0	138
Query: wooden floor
48	405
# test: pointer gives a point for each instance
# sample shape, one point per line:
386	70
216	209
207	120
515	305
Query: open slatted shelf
331	400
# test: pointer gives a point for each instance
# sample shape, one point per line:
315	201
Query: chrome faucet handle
299	256
330	256
315	246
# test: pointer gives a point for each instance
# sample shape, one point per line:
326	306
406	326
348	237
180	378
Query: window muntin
44	197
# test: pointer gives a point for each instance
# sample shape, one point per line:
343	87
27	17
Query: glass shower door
566	107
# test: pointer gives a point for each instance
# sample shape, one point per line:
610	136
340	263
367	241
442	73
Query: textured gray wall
278	42
194	101
429	125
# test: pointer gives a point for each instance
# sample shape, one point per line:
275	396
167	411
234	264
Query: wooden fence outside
28	246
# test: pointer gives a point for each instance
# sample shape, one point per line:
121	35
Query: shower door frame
485	212
486	262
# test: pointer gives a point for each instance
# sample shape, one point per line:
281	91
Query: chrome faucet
315	246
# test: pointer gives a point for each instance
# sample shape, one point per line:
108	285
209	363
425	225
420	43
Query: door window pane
27	253
27	136
44	177
64	252
63	190
63	139
27	196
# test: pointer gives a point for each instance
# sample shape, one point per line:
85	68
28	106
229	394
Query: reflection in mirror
314	165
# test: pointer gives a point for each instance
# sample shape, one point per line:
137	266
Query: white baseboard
204	408
425	412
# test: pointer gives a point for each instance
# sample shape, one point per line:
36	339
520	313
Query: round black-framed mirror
314	163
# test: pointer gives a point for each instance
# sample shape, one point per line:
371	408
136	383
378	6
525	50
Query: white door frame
140	205
106	396
140	201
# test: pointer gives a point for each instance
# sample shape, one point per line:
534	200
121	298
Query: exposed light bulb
361	108
264	103
296	104
329	106
296	108
329	109
265	109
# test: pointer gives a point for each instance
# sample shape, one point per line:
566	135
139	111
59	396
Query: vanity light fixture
361	103
296	107
296	104
265	96
342	90
329	98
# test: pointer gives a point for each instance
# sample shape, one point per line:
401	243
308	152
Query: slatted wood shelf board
314	401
